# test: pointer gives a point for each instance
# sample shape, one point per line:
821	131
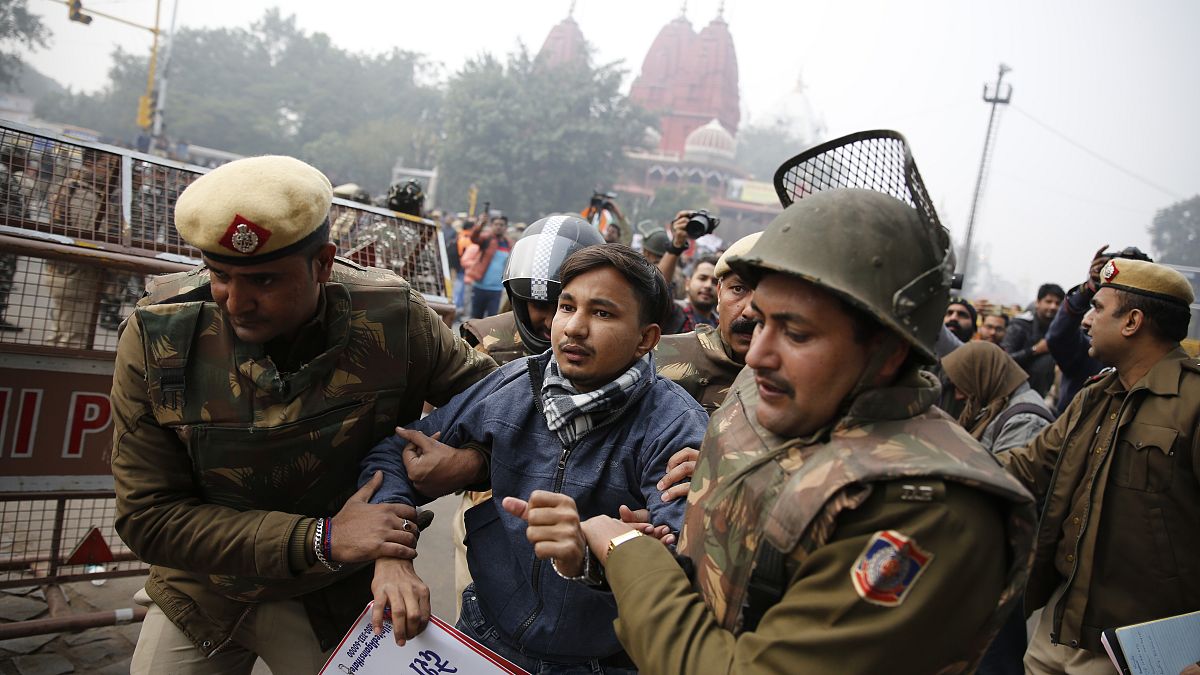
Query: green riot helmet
859	224
532	272
657	242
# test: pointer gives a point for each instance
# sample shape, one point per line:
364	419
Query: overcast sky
1095	83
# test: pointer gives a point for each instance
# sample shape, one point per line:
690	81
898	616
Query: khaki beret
255	210
740	247
1147	278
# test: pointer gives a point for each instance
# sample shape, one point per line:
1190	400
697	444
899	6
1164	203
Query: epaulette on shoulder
1099	376
351	273
1192	364
186	286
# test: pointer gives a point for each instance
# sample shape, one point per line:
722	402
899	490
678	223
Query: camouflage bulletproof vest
260	439
751	486
497	336
697	361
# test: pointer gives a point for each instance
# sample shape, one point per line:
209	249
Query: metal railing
83	224
40	530
51	538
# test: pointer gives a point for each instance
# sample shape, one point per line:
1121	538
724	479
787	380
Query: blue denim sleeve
686	431
459	422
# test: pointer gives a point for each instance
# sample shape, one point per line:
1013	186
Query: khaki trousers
462	573
1044	658
75	290
278	632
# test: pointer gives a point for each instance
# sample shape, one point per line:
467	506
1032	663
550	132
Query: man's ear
898	350
896	360
324	261
1133	321
650	336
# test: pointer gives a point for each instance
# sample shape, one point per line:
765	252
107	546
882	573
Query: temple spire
721	10
571	11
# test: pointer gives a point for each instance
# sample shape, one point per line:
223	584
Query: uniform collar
333	320
1163	377
714	346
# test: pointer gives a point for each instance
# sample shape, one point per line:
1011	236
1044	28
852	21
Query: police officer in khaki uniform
245	394
705	361
1120	475
838	521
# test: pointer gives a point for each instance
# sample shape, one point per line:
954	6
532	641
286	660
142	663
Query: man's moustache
776	381
742	326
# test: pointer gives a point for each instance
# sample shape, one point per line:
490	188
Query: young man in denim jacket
588	420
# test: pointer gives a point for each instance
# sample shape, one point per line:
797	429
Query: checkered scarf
572	415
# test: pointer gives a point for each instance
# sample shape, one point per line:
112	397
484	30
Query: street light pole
996	99
146	105
161	99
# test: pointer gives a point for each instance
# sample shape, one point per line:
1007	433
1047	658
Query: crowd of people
819	461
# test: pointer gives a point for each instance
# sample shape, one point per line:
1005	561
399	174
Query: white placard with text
441	648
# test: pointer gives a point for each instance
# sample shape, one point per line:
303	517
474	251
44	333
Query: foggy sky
1117	78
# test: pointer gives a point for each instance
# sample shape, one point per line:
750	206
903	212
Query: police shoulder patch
1099	376
888	567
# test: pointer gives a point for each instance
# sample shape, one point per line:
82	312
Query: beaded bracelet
323	544
588	577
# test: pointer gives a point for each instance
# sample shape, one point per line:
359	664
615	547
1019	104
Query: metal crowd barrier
82	227
51	538
82	224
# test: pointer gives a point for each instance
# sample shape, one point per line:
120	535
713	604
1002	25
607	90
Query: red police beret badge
244	236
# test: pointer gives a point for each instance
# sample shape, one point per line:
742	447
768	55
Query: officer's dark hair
1168	321
648	284
1051	289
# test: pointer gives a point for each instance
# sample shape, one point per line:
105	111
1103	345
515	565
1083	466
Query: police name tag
441	648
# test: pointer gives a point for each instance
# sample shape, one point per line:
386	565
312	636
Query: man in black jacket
1026	338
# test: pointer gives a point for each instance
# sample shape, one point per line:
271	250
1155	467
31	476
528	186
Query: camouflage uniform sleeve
446	363
822	625
160	512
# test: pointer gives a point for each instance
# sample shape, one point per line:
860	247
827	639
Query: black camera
602	200
700	224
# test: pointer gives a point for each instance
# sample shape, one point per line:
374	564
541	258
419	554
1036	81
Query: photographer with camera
687	226
602	212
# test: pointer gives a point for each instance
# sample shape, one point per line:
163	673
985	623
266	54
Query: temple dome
710	144
688	78
564	44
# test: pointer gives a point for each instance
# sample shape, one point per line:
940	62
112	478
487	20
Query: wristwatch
621	539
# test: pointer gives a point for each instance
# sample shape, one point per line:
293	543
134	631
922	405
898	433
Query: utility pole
161	99
996	99
146	106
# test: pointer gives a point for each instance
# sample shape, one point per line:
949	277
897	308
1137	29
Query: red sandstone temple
690	80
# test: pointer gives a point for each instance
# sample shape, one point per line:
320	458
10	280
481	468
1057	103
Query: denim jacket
619	462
